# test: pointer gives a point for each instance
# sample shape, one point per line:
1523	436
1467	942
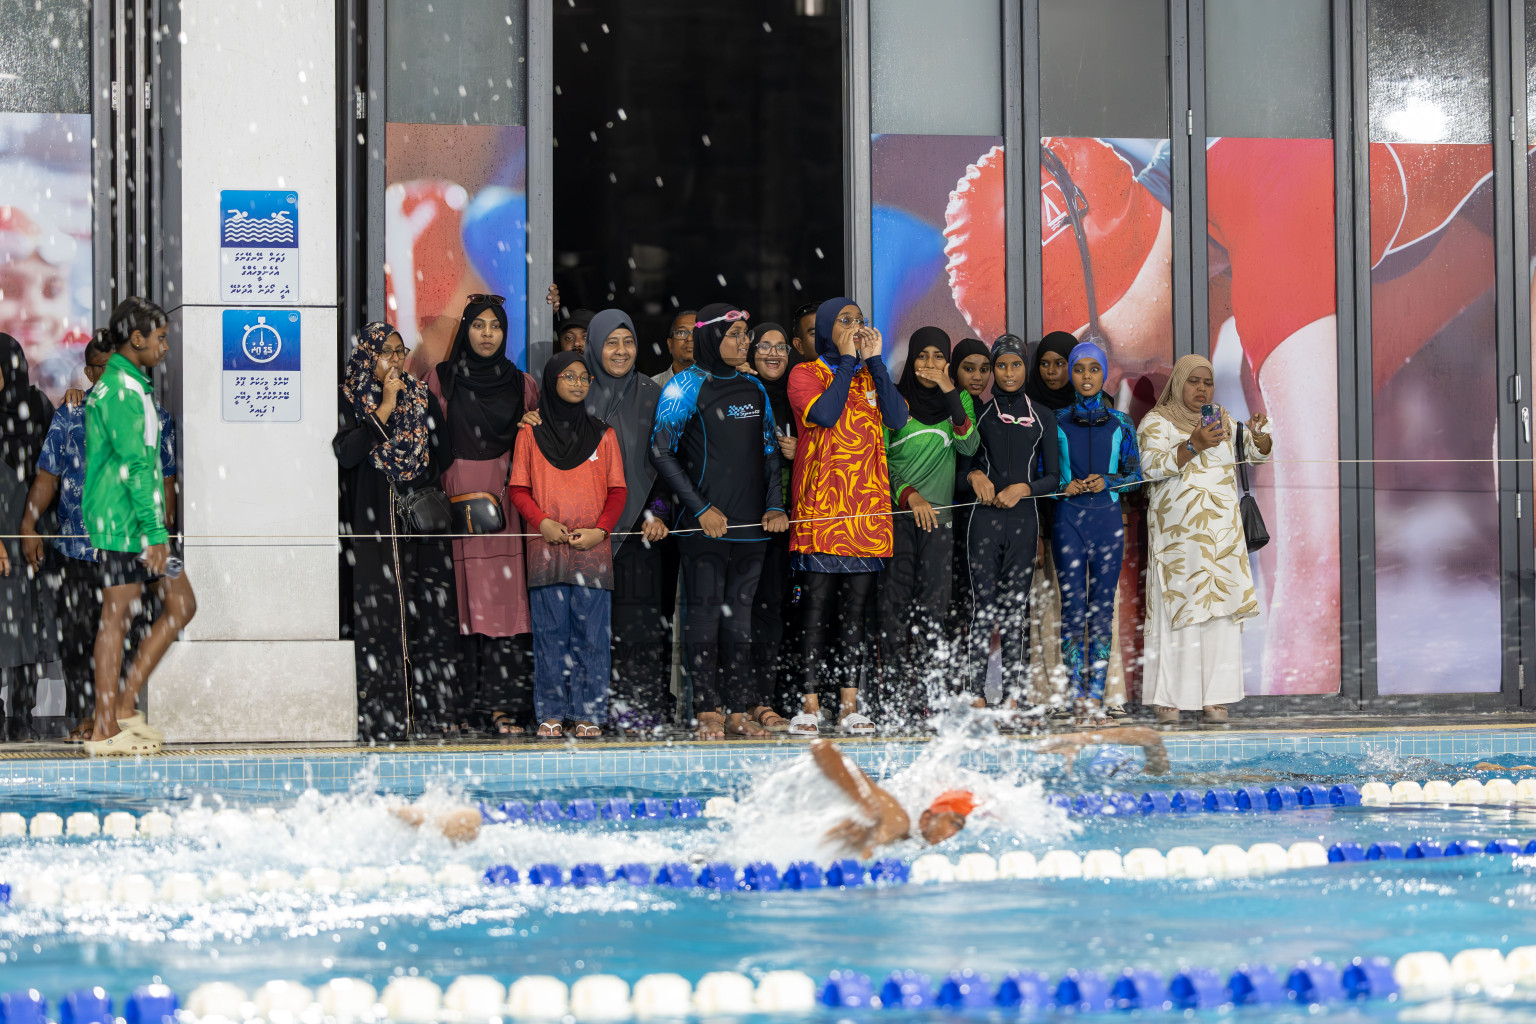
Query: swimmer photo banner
262	371
258	246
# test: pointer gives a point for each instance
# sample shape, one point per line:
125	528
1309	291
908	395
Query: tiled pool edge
643	769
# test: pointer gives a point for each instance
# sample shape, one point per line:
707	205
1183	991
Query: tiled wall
600	770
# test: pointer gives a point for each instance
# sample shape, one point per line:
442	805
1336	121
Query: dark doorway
698	158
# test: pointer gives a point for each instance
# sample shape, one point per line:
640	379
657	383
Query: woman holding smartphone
1199	589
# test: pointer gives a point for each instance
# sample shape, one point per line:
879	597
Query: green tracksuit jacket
124	499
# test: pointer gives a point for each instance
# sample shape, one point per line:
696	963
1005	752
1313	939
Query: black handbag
477	512
1254	530
425	510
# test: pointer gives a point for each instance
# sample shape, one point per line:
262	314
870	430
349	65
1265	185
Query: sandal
82	730
502	725
588	731
857	725
742	726
711	726
136	724
125	743
551	730
770	719
805	724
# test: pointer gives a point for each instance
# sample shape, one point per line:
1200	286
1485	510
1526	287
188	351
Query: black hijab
925	401
1061	343
778	390
964	350
707	336
1010	401
25	412
483	394
568	434
826	317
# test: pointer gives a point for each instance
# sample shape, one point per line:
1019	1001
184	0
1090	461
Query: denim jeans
571	644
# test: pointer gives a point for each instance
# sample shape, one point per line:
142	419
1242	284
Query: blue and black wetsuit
714	444
1088	537
1018	446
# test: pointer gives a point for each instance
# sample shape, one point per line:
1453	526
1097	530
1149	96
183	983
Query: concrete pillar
248	99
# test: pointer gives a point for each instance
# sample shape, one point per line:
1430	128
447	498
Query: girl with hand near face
1199	589
1099	462
392	441
915	597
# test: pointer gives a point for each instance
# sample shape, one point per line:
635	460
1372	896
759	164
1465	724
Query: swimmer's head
946	816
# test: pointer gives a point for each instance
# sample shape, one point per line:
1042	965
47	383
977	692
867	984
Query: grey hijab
628	405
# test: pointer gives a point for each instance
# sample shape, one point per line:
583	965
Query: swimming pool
411	904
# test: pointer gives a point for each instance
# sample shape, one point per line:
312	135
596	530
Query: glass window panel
936	68
1434	341
45	56
1272	296
1104	68
457	61
1268	69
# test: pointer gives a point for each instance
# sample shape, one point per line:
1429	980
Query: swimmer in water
457	824
885	821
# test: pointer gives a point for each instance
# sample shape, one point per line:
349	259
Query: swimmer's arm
860	789
890	820
460	825
1126	736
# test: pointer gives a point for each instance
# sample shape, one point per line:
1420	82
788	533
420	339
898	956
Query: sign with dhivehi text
262	370
258	246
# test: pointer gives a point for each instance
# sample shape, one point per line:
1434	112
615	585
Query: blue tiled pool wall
648	770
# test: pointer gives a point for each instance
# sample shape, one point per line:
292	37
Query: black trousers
914	602
76	589
720	580
1001	552
406	631
644	589
497	673
824	596
771	613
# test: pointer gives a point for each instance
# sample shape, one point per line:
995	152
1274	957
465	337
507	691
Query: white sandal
125	743
804	724
857	725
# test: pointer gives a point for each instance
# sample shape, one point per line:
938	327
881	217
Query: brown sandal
711	726
770	719
740	726
83	730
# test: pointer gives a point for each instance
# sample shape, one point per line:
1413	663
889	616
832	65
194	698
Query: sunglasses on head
478	297
731	317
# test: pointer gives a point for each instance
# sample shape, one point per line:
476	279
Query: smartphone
1209	415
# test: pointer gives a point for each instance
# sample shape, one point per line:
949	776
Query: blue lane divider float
1183	802
612	809
150	1004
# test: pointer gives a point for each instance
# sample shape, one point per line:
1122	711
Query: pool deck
527	767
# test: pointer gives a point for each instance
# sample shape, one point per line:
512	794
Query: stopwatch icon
261	342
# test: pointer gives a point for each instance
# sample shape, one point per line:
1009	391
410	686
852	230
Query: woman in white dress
1199	588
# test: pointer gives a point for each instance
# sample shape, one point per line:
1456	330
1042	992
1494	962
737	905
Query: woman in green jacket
124	507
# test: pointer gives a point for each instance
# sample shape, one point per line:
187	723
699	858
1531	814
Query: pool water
1335	912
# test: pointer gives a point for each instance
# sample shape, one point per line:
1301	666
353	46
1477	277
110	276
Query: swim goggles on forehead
731	317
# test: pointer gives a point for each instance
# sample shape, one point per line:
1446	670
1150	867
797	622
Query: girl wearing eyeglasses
1016	464
568	483
844	402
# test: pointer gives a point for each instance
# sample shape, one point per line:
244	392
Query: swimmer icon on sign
258	246
261	366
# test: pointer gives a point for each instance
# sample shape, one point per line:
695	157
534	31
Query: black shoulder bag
424	510
1254	530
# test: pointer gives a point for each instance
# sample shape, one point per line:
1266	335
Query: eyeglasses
731	317
850	321
575	381
773	350
395	353
682	334
499	300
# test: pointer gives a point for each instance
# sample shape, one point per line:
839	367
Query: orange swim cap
953	801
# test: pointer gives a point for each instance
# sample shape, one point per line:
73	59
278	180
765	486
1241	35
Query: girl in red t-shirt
567	479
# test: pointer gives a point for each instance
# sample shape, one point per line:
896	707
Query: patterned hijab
404	456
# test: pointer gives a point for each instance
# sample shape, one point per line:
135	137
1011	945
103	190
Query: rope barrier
1488	974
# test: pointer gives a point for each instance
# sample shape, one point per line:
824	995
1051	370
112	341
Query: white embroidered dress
1199	587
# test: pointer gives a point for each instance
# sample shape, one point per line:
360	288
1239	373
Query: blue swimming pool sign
258	246
262	369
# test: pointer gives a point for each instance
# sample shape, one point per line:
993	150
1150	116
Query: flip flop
124	744
587	731
551	730
804	724
857	725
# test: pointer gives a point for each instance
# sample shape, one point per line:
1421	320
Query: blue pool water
1335	912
